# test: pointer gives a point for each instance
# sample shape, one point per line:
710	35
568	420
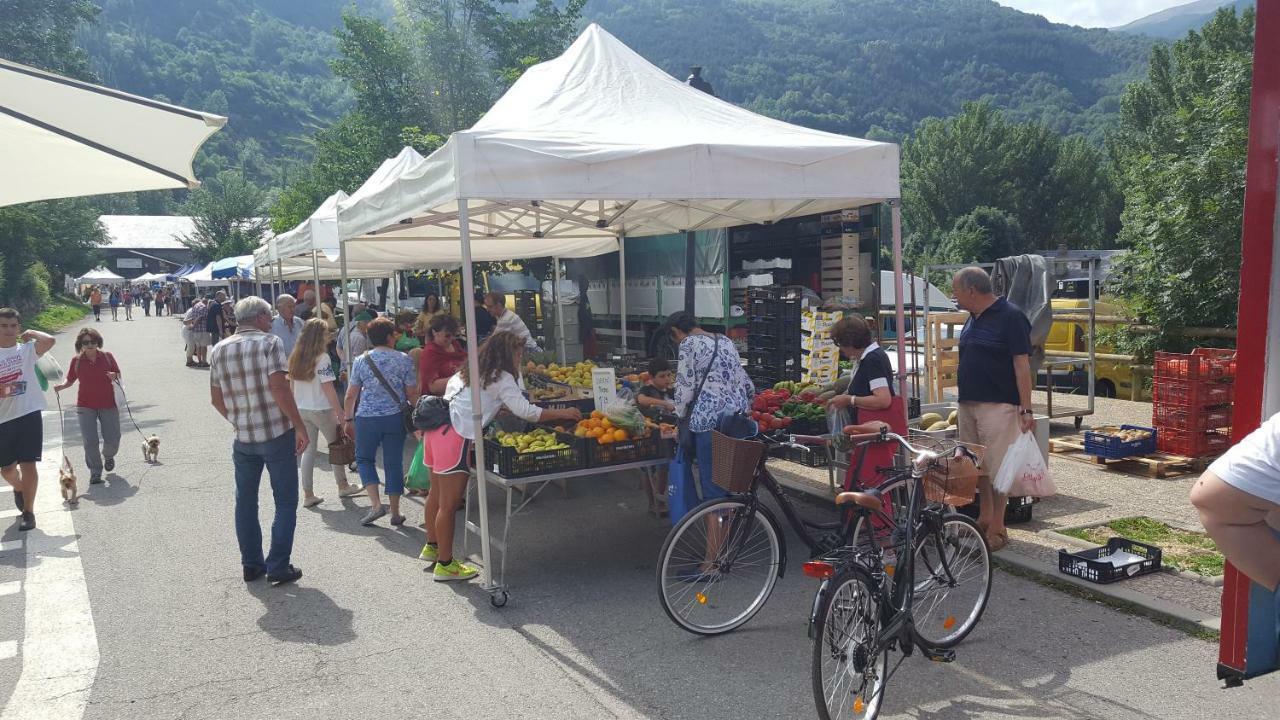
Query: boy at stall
655	399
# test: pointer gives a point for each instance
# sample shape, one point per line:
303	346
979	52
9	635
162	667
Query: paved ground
131	606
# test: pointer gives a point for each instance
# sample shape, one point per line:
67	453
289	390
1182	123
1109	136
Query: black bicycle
916	575
720	562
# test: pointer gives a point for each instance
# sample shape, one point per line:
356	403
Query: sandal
998	541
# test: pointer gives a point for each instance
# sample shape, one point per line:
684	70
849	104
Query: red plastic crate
1200	364
1188	394
1187	418
1191	443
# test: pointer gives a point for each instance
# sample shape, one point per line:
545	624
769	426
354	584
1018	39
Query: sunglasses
89	343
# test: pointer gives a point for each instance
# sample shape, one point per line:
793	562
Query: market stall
100	276
586	150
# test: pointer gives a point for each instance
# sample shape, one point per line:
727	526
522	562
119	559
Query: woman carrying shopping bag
96	408
311	377
441	357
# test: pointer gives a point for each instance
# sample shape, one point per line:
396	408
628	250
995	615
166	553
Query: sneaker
454	571
350	491
289	575
110	464
95	480
251	574
28	522
430	553
397	520
373	515
312	502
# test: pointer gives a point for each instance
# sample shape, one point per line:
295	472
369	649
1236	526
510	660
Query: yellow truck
1111	379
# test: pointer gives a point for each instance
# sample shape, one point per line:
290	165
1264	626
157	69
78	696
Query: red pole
1248	612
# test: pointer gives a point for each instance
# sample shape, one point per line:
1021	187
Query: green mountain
862	67
1174	22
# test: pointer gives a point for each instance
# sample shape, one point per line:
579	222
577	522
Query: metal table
497	589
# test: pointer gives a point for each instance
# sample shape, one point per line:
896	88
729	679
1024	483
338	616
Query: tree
41	33
1058	190
40	239
227	214
983	235
1181	150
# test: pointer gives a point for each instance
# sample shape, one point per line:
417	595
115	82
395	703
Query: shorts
201	339
22	439
445	451
995	426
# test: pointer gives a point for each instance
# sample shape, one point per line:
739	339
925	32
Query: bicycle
720	563
918	551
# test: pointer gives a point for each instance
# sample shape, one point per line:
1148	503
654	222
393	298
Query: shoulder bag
406	410
684	435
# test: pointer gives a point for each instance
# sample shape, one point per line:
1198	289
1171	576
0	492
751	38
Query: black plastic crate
1017	510
650	447
1086	564
812	457
510	463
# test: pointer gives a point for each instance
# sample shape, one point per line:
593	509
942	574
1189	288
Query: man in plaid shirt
248	386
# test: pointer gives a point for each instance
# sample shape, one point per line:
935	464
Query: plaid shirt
240	366
196	316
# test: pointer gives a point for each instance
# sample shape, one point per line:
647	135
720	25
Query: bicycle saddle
869	500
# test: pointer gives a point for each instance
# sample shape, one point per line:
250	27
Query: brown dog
67	480
151	449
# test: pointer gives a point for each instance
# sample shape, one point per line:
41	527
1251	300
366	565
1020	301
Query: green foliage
1180	151
879	67
56	236
1054	191
227	218
57	314
41	33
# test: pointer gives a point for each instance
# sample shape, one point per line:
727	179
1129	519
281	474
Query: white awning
66	138
100	275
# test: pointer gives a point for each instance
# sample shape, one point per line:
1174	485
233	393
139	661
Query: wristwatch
1026	411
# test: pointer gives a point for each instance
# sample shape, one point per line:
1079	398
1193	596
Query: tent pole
555	301
315	276
345	300
473	373
895	207
622	294
280	267
690	243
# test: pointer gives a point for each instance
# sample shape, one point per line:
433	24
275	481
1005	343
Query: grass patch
61	311
1181	549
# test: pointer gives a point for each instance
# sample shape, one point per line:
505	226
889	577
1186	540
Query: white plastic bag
1023	472
117	389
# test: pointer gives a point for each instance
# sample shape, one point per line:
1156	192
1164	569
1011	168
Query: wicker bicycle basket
954	479
734	461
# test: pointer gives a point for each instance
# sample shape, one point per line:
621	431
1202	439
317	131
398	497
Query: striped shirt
241	366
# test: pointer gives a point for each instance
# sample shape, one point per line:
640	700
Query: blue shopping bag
682	489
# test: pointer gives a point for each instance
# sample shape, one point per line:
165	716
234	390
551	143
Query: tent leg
280	268
690	254
895	207
315	276
345	300
622	294
473	372
555	300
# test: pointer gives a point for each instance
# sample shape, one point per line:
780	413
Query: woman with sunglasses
96	369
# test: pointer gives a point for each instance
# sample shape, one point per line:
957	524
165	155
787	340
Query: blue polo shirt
988	344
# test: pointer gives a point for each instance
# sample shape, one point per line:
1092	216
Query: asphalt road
131	606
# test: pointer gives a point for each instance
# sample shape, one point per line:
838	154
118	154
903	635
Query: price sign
604	387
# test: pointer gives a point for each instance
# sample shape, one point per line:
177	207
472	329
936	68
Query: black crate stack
773	336
527	308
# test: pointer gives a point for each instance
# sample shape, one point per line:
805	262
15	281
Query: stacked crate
820	358
1192	396
773	336
526	302
848	243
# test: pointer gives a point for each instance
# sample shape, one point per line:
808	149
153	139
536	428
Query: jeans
317	422
388	432
90	419
702	448
282	469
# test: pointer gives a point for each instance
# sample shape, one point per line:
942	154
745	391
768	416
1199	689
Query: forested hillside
880	66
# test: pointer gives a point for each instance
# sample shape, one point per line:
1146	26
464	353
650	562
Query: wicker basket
735	462
954	480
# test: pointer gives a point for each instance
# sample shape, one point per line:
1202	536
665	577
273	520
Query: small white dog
151	449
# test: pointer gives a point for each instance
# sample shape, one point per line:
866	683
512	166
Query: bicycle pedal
940	656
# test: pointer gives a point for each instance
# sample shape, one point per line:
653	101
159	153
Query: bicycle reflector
820	569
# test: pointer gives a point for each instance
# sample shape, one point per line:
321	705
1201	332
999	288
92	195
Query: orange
619	435
605	439
606	424
595	433
581	432
596	414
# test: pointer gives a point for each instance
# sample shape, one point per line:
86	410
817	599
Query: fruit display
601	429
578	374
933	422
536	440
1127	434
789	402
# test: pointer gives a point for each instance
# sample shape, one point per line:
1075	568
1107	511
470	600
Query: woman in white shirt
311	376
447	449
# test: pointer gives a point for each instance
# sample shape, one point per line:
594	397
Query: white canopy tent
151	277
593	146
100	276
66	138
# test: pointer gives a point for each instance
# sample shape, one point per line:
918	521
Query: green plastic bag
419	475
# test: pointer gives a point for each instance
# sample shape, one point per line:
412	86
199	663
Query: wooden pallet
1158	464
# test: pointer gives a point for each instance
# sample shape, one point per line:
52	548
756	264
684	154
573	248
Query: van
1111	378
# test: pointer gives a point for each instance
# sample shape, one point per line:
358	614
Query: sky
1092	13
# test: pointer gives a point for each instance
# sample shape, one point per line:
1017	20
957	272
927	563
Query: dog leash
62	439
128	409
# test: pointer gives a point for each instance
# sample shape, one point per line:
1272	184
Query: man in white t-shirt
496	304
21	402
1239	502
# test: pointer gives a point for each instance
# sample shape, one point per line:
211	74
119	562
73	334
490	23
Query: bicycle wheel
884	532
952	581
719	565
848	671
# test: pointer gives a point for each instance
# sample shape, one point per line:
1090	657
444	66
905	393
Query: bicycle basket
734	462
953	480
